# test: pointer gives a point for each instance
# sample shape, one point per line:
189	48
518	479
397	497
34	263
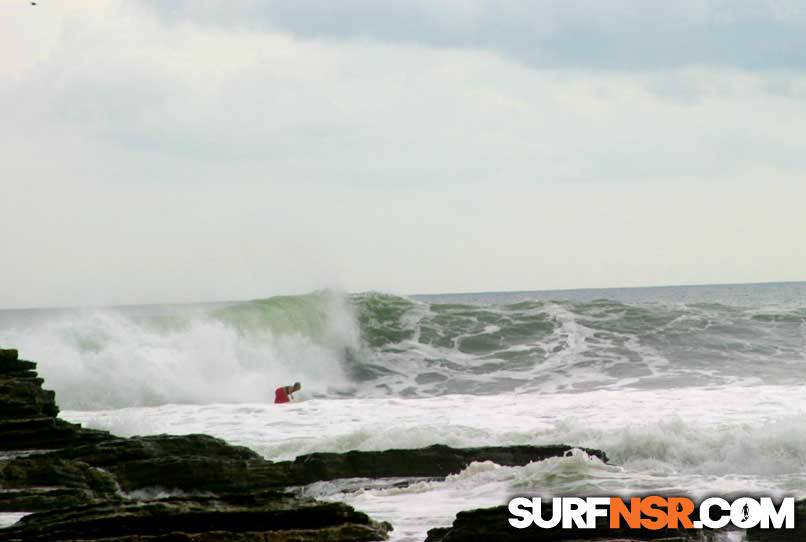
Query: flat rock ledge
84	484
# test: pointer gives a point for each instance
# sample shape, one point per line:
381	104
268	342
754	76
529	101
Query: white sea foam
8	519
752	430
698	441
104	358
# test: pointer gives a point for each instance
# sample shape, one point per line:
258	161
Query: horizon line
697	285
461	293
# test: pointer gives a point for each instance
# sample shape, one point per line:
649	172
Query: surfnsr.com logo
652	513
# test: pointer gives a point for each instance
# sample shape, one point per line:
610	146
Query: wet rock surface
434	461
84	484
254	517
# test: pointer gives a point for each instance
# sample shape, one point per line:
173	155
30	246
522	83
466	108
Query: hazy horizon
409	294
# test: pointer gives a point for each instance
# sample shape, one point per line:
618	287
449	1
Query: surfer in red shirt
284	394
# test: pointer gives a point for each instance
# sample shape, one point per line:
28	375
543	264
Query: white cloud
619	34
149	160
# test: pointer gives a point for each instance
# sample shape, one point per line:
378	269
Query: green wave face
386	320
474	330
414	347
314	315
381	317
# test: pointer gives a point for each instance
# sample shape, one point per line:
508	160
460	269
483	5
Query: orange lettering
652	507
619	510
680	509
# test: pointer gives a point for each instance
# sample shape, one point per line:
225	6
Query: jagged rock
23	397
45	471
272	517
45	433
117	450
33	499
203	463
19	366
10	364
190	463
8	355
28	411
83	482
434	461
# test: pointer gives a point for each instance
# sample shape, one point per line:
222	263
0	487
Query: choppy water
688	389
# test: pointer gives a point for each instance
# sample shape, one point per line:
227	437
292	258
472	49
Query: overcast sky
209	150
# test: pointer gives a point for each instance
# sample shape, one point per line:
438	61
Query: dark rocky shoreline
83	484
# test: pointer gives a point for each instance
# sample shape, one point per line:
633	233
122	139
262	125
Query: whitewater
694	390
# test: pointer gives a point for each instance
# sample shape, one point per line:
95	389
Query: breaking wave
107	358
374	345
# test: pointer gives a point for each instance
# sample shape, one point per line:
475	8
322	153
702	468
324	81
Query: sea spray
118	357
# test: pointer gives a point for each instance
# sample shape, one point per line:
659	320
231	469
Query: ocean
696	390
